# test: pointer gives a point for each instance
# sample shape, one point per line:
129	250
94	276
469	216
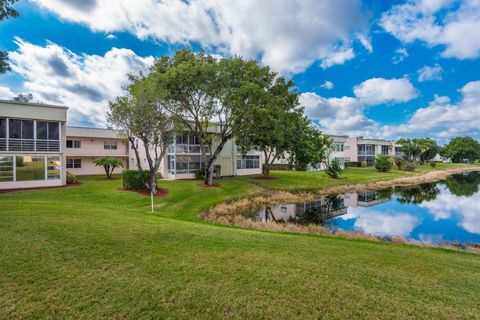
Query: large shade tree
461	149
198	91
272	123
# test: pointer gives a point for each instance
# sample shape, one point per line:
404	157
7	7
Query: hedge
352	164
135	179
279	166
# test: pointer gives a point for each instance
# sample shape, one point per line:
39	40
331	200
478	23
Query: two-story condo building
84	145
32	140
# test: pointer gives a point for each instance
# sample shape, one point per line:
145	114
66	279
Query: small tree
109	164
383	163
410	148
333	168
307	145
124	116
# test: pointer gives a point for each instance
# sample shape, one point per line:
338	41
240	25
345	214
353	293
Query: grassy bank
93	251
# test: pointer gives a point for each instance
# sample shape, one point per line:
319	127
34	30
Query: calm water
436	212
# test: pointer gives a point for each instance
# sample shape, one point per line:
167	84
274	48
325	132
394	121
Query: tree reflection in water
463	184
417	194
319	212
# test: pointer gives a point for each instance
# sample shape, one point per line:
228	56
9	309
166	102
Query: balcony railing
29	145
187	148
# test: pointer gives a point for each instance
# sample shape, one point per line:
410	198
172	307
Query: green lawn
93	252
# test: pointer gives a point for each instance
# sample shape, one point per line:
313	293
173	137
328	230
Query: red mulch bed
215	185
160	192
41	188
266	178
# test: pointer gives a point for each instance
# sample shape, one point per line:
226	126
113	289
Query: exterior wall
92	147
89	168
33	146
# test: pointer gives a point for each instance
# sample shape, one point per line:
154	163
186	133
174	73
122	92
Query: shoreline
432	176
230	213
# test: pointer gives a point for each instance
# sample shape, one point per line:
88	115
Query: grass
94	252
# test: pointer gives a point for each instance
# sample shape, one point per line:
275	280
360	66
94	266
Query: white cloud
327	85
430	73
400	55
442	118
85	83
111	36
395	224
6	93
449	23
379	90
366	42
345	115
466	208
288	35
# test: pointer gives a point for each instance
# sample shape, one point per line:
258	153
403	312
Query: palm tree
109	164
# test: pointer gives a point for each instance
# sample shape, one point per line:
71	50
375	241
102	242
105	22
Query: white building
32	140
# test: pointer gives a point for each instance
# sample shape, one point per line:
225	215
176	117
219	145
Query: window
338	147
74	144
110	145
248	162
53	131
74	163
30	168
53	167
3	128
385	150
346	148
15	129
42	130
347	159
6	169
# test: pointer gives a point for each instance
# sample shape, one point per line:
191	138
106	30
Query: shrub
71	178
363	164
135	179
399	162
333	168
383	163
352	164
199	175
408	166
433	164
280	166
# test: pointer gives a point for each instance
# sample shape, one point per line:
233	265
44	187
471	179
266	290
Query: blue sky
373	68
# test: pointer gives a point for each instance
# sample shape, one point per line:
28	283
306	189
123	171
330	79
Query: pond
445	211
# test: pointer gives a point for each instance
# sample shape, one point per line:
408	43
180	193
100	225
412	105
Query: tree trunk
152	183
211	163
107	170
137	156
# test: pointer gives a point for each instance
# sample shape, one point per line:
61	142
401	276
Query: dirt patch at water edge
428	177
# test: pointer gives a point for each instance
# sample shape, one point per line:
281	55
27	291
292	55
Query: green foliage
307	145
399	162
333	168
461	149
352	164
363	164
71	178
408	166
135	179
421	149
433	164
383	163
280	166
109	164
6	11
463	185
